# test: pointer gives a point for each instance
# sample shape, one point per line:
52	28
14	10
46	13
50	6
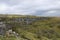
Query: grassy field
42	28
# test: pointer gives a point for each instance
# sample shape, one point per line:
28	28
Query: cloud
31	7
3	7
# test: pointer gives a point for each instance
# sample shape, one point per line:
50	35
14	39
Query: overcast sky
31	7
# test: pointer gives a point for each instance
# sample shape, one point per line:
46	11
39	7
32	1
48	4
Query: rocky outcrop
2	28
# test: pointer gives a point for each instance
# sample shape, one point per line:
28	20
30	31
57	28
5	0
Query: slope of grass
46	28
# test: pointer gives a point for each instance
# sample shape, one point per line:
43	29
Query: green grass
48	29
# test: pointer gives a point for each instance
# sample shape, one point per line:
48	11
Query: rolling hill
30	28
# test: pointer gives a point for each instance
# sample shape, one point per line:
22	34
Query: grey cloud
33	7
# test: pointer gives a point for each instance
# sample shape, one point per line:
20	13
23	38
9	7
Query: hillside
30	28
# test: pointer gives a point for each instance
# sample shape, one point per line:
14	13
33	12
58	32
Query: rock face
11	22
27	20
2	28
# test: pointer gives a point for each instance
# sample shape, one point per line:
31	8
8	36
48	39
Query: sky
30	7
